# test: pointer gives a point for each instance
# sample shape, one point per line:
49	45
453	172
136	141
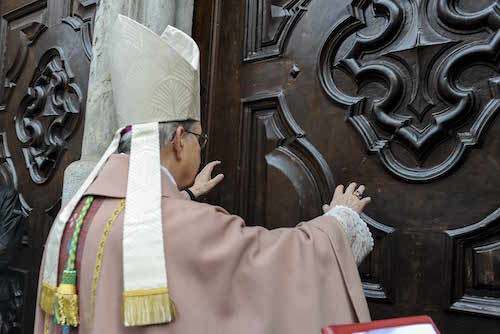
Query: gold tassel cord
66	298
66	305
46	324
100	255
148	307
47	294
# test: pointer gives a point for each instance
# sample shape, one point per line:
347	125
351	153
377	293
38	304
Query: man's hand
204	182
351	198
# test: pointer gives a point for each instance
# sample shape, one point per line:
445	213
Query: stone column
100	122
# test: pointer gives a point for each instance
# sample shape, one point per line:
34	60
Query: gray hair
167	133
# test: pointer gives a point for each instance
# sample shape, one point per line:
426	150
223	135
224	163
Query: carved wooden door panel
400	95
46	51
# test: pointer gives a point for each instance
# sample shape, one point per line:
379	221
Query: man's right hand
204	182
351	198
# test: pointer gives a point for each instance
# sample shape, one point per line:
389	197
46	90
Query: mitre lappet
154	79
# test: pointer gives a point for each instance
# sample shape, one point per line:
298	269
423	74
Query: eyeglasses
202	138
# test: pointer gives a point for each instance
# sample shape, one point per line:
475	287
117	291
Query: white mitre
154	79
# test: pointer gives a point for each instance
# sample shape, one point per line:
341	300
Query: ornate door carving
44	74
402	96
420	60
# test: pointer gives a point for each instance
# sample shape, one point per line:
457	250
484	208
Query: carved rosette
48	115
46	74
403	81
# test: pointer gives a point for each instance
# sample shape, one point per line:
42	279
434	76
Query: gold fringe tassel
148	307
47	297
66	305
173	309
46	324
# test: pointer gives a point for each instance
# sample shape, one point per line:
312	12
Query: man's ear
178	142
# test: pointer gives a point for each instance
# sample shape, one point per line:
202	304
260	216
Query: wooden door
400	95
45	49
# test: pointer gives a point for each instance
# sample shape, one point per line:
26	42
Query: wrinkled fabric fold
224	277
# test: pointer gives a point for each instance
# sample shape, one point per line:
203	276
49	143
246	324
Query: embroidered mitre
154	78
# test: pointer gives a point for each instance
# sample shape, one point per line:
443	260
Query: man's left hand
204	182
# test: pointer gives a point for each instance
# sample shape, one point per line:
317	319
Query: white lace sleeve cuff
356	230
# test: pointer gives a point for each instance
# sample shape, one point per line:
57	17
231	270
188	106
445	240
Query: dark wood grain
275	155
268	24
42	108
15	9
402	96
412	115
3	50
475	271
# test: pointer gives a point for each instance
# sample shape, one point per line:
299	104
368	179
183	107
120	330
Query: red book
410	325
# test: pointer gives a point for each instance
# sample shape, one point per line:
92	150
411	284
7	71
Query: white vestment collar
167	173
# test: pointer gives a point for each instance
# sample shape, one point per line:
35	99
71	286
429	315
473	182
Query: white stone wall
100	123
